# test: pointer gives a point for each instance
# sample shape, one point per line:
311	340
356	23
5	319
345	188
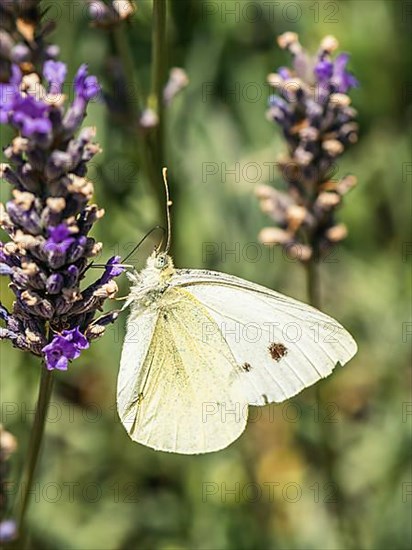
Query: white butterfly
202	346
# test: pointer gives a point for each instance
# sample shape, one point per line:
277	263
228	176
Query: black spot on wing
277	351
246	367
265	399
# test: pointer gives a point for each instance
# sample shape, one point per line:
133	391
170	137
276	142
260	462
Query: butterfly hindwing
177	390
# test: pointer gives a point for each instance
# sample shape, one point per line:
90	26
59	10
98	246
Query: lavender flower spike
313	109
49	217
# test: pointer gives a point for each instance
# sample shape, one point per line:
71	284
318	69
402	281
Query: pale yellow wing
180	392
282	344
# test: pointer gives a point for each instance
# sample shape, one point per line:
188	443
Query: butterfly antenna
122	262
143	239
168	205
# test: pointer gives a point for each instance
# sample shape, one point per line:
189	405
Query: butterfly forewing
280	344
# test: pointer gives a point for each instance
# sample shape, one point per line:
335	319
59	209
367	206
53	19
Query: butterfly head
161	263
161	260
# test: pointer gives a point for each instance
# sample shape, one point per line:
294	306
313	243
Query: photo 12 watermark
254	252
269	492
257	172
74	492
290	412
271	11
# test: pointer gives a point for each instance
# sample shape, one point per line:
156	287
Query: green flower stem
124	53
155	100
120	36
326	432
150	140
158	74
45	390
313	282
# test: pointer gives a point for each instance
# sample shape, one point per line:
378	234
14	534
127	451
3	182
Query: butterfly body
149	285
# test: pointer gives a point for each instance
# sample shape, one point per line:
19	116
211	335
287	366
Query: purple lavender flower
324	70
30	115
113	269
33	115
342	79
63	348
60	239
55	74
335	74
8	93
86	87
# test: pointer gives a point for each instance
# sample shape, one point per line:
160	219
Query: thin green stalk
123	51
151	150
158	75
313	282
158	80
326	435
36	438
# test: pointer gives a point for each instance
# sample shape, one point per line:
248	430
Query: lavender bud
10	175
54	283
62	306
71	276
149	119
77	249
80	186
13	324
288	40
94	332
178	80
74	117
6	334
52	214
97	328
6	43
108	290
20	53
35	338
56	257
20	278
98	11
333	147
37	304
337	233
52	51
92	248
89	216
5	269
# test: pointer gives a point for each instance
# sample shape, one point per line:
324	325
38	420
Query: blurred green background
304	475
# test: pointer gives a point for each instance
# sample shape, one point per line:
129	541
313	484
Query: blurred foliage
97	489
